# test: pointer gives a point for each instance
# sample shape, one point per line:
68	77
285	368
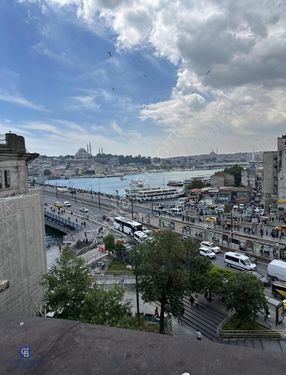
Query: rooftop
73	348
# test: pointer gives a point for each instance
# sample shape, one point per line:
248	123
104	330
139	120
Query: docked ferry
148	194
175	183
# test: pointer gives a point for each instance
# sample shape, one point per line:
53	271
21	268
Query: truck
276	270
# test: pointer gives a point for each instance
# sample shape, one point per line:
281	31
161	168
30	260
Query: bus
127	226
279	291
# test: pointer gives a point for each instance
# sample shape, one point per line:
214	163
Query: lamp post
99	206
117	197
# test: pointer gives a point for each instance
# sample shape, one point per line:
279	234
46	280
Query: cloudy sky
150	77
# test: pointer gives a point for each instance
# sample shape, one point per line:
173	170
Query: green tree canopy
217	279
109	242
66	285
235	170
244	294
105	307
196	184
164	267
47	172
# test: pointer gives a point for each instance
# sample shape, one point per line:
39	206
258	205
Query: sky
151	77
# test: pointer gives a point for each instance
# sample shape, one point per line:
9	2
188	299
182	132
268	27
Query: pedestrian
156	313
196	300
199	335
192	300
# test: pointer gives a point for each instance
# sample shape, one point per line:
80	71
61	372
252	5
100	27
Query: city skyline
156	78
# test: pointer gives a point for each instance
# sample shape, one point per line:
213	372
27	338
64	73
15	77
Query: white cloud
115	127
20	100
230	57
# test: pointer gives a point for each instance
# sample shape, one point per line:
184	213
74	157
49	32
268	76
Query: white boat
155	194
136	183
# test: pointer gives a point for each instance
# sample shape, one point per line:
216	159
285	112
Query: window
233	259
7	179
1	180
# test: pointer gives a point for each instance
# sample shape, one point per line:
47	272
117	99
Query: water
53	240
110	185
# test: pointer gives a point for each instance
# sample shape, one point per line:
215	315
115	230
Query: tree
244	294
105	307
120	250
196	184
71	294
47	172
217	279
109	242
163	268
67	285
235	170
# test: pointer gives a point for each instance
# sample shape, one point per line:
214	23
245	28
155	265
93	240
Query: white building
22	252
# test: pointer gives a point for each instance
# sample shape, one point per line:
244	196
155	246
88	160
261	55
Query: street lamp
99	206
117	197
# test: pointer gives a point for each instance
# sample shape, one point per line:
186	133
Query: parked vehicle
207	253
263	279
239	261
67	204
140	236
276	270
211	246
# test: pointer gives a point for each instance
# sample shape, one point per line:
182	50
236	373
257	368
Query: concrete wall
18	177
22	252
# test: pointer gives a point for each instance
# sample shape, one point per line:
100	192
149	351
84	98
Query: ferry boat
148	194
136	183
175	183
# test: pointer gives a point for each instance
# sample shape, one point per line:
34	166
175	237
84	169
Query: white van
239	261
276	270
140	236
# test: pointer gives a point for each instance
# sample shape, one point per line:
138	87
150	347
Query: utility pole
132	212
117	197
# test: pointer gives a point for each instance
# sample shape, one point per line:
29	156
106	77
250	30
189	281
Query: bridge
60	222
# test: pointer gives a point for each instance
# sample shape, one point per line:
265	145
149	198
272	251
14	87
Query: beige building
274	175
22	252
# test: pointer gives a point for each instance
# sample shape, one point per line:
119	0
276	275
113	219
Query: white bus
127	226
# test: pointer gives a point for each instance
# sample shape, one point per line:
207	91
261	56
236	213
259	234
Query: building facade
22	252
274	176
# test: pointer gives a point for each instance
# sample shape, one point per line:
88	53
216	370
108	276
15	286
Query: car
211	246
211	220
207	253
263	279
83	209
67	204
58	204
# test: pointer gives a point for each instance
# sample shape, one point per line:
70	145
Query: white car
83	209
210	246
67	204
207	253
